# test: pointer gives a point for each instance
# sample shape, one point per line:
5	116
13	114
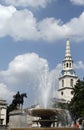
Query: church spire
68	76
67	62
68	52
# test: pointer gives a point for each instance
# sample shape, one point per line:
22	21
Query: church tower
68	77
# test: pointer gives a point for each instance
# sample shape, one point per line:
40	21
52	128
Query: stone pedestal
17	119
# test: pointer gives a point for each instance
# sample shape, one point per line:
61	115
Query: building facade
3	112
68	76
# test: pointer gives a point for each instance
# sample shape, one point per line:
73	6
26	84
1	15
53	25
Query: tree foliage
76	105
10	108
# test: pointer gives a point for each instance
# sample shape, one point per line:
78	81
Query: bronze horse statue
18	100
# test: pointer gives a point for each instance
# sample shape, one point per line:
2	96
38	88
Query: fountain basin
44	123
46	116
44	113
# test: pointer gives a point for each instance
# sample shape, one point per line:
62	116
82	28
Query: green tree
76	105
10	108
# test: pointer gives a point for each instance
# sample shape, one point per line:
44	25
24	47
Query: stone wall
54	128
4	128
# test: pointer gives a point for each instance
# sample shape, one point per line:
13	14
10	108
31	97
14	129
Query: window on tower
72	92
61	93
67	65
62	83
70	65
71	82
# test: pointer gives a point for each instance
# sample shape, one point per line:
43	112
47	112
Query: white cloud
76	27
24	67
22	25
78	2
5	93
27	73
52	29
79	65
18	24
37	3
31	3
5	14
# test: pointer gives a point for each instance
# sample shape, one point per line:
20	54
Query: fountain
47	116
51	117
44	90
45	113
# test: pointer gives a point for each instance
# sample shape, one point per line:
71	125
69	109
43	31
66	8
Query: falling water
45	93
68	119
44	89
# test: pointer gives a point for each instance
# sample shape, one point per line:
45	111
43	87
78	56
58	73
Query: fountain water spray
45	94
44	90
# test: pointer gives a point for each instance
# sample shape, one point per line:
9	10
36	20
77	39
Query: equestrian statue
18	100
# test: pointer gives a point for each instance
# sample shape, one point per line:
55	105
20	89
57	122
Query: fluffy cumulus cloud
29	73
24	67
17	24
52	29
5	92
78	2
79	65
76	27
31	3
37	3
23	25
5	14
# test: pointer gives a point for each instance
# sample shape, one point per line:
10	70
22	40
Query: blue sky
33	35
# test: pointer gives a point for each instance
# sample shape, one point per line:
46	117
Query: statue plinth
17	119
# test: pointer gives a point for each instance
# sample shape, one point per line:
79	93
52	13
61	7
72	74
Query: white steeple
67	62
68	53
68	77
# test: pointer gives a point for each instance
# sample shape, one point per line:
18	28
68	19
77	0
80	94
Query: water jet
47	116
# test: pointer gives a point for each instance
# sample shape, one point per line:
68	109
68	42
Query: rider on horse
18	99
